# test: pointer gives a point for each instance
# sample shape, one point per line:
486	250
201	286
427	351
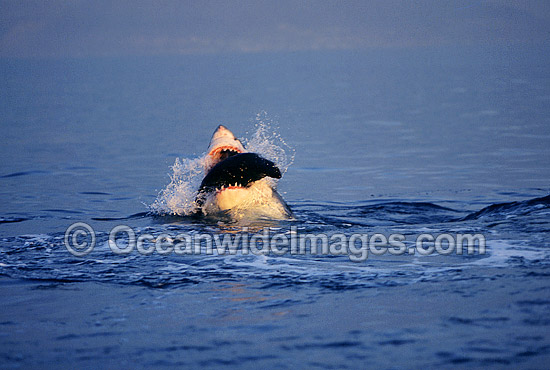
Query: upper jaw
229	148
222	145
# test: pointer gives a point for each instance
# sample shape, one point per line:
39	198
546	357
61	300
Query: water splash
178	198
267	142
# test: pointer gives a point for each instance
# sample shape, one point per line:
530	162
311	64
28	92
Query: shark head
222	145
237	181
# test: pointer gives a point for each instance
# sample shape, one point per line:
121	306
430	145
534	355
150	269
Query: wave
7	220
44	258
131	217
24	173
343	215
416	213
519	238
518	208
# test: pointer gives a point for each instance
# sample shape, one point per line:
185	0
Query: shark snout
223	145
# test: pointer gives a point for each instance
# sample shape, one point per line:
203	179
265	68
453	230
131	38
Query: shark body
239	183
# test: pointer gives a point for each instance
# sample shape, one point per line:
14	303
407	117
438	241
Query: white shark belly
257	200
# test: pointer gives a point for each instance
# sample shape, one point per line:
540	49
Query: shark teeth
230	186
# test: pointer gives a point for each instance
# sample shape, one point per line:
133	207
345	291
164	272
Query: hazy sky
133	27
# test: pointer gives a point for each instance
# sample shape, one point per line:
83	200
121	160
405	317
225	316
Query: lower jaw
231	197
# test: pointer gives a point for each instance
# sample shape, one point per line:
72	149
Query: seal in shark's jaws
238	182
239	169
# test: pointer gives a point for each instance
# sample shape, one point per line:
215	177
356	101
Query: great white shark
238	182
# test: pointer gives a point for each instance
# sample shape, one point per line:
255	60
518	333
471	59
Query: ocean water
380	141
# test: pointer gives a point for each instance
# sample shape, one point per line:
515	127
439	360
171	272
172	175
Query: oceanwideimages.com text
80	240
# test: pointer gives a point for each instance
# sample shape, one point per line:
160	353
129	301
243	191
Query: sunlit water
374	142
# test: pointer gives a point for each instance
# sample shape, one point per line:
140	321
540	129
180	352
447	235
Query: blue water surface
384	141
